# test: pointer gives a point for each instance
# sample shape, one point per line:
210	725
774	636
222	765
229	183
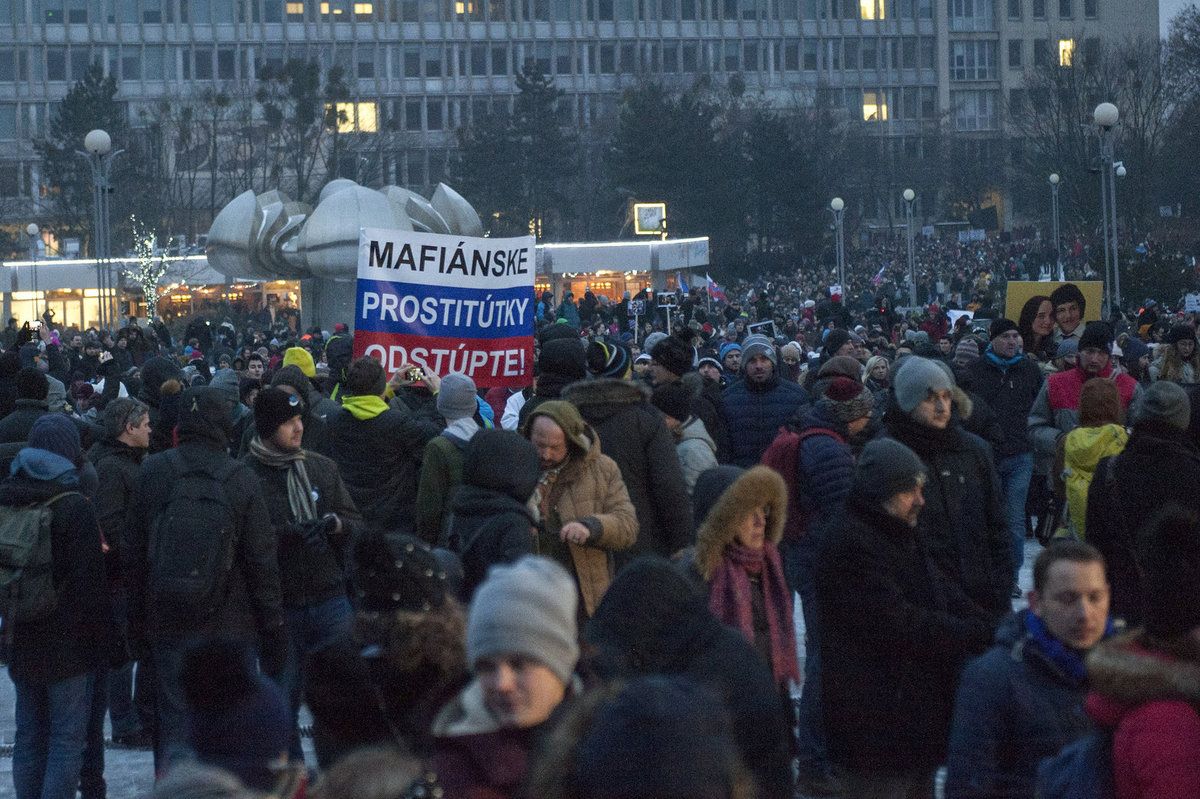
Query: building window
974	110
412	114
1041	52
1091	8
972	15
357	117
873	9
1014	54
435	113
433	61
8	121
1066	52
1014	9
1039	9
1016	101
874	107
975	60
1066	9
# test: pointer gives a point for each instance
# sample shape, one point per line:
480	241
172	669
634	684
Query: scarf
365	406
1069	661
1004	363
730	601
462	429
301	498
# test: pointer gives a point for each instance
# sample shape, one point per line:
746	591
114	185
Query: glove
315	534
273	652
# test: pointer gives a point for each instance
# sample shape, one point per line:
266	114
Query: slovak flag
683	286
875	281
714	291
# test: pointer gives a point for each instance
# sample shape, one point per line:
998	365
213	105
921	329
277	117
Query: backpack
27	592
783	455
191	545
1082	770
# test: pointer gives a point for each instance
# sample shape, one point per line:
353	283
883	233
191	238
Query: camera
415	375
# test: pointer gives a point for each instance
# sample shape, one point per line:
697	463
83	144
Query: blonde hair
872	362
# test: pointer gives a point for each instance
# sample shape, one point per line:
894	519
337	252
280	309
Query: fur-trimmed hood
758	486
600	398
1125	675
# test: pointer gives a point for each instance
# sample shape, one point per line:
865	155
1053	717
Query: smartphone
415	375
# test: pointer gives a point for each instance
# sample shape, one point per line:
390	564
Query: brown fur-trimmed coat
759	486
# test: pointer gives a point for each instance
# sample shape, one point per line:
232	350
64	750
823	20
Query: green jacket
441	473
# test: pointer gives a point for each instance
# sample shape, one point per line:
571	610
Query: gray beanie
916	377
758	345
526	608
456	397
885	468
1164	402
652	340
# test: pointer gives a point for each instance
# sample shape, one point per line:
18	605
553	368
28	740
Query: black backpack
192	545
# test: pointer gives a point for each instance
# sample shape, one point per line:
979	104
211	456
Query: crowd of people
587	587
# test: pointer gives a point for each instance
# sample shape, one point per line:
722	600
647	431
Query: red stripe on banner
490	362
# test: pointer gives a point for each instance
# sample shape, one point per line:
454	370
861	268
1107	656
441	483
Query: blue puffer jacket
1016	705
826	472
753	414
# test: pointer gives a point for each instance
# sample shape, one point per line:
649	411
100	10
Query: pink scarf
729	600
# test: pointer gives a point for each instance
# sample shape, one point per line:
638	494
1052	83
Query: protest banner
1020	292
447	304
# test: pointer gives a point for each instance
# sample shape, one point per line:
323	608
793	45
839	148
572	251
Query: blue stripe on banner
384	306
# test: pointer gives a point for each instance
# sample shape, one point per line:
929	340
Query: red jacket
1150	701
1066	387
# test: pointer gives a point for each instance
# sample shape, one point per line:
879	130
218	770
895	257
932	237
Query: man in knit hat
191	502
56	656
441	465
1010	381
962	520
313	518
671	362
1160	465
522	647
731	359
693	445
1055	411
893	633
755	407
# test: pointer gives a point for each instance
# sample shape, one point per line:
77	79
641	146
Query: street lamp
100	156
1054	179
838	206
1106	118
32	231
910	195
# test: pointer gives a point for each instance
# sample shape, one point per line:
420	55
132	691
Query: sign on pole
447	304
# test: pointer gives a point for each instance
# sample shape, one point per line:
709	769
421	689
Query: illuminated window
874	107
295	9
1066	52
357	118
364	9
464	7
872	9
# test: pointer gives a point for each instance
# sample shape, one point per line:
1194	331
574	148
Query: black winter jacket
753	414
487	527
652	620
380	461
633	433
117	468
309	575
252	595
894	635
1010	394
962	519
16	426
1159	466
82	634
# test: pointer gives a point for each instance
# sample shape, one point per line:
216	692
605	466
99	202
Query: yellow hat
298	356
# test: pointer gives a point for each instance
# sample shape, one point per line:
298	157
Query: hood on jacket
40	464
204	415
581	438
694	430
1084	447
561	362
465	714
757	487
603	397
155	372
227	381
1125	675
339	352
650	619
503	461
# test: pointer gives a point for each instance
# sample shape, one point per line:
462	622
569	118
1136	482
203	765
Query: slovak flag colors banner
714	291
447	304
